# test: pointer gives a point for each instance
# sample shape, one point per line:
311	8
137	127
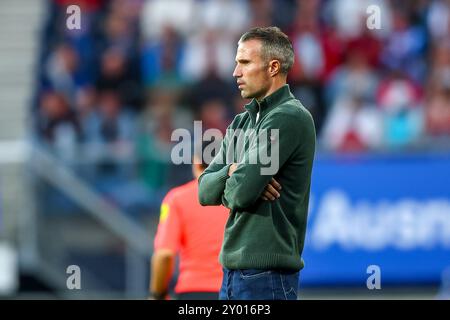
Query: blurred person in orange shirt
195	233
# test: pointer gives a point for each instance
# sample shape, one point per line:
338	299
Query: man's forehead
248	48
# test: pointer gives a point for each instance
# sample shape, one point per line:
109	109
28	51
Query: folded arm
211	182
248	182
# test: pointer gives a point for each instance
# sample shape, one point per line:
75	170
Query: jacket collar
269	102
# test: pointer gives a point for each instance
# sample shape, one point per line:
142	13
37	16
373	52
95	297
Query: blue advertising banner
387	212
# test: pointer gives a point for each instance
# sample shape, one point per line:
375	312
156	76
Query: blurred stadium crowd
111	93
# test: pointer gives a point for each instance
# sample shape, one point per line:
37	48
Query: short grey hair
275	45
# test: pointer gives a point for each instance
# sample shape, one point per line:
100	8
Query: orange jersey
196	234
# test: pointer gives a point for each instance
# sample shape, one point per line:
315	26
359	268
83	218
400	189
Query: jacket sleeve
277	140
211	182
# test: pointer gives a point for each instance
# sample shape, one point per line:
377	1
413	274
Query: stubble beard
250	95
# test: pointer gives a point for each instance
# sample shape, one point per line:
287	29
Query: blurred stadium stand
87	117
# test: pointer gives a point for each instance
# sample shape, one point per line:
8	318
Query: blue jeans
255	284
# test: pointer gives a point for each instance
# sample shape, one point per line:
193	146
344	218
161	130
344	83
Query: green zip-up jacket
264	234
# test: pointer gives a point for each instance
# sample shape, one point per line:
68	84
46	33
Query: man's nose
237	72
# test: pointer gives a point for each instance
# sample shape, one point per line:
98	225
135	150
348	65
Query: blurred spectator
367	42
438	19
261	12
400	100
439	76
333	49
162	57
83	40
306	40
109	132
119	32
354	125
209	52
63	72
115	76
350	16
228	17
405	47
211	46
309	62
438	113
210	87
58	125
110	123
213	115
355	77
161	116
158	14
284	15
310	93
85	101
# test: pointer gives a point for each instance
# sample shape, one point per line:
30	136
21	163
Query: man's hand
232	168
271	190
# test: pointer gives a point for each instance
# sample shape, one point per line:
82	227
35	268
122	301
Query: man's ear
274	67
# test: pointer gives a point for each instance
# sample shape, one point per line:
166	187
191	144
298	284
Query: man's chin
245	95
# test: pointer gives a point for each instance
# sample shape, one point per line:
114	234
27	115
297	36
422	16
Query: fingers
271	191
275	184
267	195
231	169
